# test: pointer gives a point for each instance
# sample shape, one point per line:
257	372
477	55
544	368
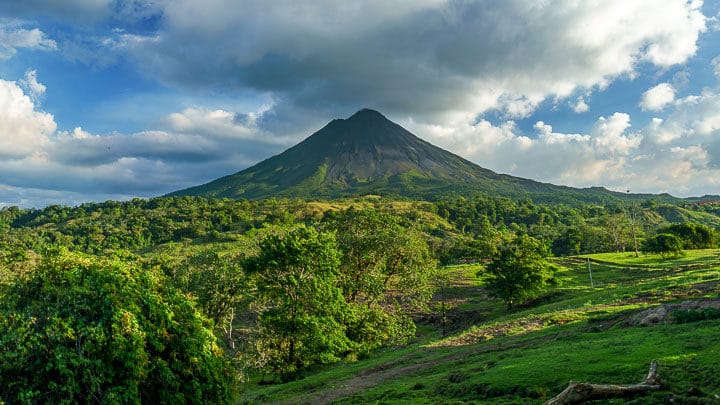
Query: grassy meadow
470	348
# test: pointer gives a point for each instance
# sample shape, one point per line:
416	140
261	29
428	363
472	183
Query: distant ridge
369	154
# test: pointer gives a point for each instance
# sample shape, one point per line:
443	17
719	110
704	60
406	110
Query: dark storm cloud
427	58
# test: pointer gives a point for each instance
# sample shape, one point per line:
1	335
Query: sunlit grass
526	355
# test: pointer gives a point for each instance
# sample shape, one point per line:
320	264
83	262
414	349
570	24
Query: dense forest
181	299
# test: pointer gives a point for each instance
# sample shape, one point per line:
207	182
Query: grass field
489	354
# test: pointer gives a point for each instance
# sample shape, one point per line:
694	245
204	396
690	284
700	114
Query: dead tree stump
577	393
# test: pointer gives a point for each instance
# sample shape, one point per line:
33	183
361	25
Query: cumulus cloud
656	98
695	118
580	106
447	59
23	129
194	146
679	154
609	135
222	125
14	35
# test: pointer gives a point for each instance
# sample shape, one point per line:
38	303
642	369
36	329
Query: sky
117	99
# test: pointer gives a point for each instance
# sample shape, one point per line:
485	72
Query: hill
639	310
369	154
468	347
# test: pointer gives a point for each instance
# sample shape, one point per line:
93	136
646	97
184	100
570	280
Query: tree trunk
577	393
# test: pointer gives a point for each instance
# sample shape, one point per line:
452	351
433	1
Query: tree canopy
301	320
664	244
387	270
520	271
85	329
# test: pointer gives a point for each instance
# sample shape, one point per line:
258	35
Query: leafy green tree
83	329
519	272
301	322
387	270
664	244
221	289
380	257
569	243
617	231
693	236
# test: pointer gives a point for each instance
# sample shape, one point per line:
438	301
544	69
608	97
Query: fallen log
577	393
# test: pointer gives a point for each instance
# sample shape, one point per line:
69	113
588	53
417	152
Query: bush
695	315
664	244
82	329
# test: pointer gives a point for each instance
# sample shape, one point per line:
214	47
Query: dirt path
375	375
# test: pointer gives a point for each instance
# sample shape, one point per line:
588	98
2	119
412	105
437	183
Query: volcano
369	154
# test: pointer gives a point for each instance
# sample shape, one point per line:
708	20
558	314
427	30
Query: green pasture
487	353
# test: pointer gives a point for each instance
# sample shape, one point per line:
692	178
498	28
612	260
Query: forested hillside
186	299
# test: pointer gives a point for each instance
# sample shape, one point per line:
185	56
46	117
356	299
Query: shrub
695	315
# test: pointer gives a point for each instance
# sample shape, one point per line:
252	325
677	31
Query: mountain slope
369	154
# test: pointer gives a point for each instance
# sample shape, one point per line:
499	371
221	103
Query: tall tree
301	322
387	270
220	287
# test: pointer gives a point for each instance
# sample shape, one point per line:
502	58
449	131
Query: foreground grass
576	332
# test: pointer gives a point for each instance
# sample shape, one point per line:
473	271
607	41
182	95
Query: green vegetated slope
369	154
466	346
575	332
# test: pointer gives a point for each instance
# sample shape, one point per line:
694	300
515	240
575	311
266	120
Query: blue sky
115	99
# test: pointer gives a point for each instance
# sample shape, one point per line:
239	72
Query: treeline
456	227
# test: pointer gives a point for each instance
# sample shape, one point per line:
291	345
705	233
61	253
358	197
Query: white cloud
199	144
716	66
221	124
23	129
679	154
694	119
30	84
13	36
656	98
609	135
580	106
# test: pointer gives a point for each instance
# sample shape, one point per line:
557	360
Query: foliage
386	272
664	244
301	322
376	294
693	236
582	334
520	271
569	243
695	315
219	286
82	329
